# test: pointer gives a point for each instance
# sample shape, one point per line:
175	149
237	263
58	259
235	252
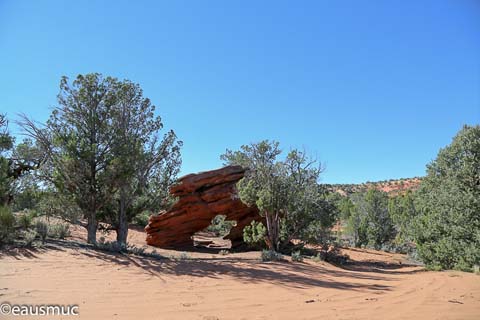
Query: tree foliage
370	222
220	226
77	139
140	157
7	225
286	192
103	150
6	144
16	161
403	211
255	234
447	228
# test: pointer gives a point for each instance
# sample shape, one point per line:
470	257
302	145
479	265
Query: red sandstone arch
201	197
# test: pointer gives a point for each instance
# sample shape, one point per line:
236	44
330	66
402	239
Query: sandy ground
236	286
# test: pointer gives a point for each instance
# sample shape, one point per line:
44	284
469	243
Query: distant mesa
392	186
201	197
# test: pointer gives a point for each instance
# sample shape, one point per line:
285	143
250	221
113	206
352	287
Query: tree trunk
272	231
122	231
92	228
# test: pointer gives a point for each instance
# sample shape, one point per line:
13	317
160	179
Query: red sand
236	286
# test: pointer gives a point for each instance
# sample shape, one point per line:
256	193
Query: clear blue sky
372	88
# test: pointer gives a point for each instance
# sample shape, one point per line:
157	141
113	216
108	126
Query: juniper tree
104	151
77	140
369	222
402	210
286	191
6	143
16	161
447	227
144	163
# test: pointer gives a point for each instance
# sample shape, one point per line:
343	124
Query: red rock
201	197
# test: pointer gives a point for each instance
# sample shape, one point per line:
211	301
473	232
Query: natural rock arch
201	197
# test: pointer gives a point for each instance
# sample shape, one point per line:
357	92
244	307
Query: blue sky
371	88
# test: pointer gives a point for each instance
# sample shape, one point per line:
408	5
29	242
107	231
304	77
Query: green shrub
41	227
220	226
110	246
476	269
25	220
59	231
224	252
115	247
57	205
270	255
297	256
29	237
254	234
7	225
142	218
135	250
446	229
331	255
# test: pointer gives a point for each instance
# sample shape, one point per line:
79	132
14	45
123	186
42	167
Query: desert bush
110	246
224	252
59	230
270	255
331	254
25	220
116	247
220	226
141	219
398	247
297	256
57	205
7	225
41	227
254	234
476	269
29	237
135	250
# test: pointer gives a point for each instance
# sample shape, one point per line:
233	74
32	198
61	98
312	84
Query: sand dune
236	286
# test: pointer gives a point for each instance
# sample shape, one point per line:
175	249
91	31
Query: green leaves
403	212
447	227
285	191
6	140
370	222
5	181
254	234
7	224
104	149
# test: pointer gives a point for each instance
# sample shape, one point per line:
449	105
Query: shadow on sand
284	273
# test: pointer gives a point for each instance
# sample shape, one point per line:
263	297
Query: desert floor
375	285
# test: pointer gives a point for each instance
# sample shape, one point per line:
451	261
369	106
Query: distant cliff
392	186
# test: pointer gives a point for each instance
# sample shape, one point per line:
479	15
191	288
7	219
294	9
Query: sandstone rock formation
201	197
